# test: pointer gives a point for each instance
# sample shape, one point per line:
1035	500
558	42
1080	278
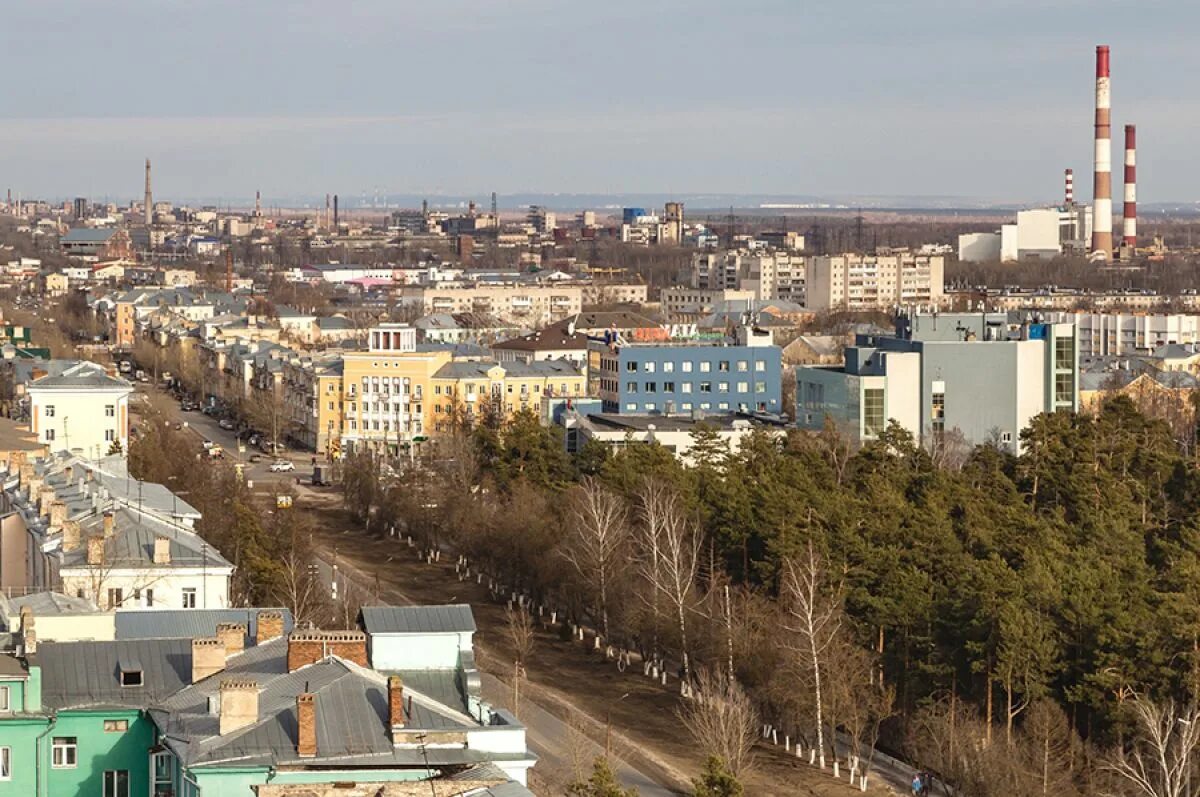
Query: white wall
979	247
418	651
80	420
1038	231
168	583
1008	243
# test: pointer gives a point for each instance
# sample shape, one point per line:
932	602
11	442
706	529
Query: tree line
1005	620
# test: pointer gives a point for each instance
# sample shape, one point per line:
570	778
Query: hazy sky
919	97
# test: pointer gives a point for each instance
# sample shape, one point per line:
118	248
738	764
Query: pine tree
716	780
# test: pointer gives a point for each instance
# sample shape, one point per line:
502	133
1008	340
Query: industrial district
487	497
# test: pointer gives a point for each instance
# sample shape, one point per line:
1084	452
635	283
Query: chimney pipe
239	705
1069	178
1129	214
395	702
306	725
232	636
335	212
162	551
1102	244
108	525
208	658
95	551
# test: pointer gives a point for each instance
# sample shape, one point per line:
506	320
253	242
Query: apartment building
313	401
468	392
1119	334
882	281
978	374
764	275
529	304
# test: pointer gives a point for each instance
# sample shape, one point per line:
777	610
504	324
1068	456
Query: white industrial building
1128	334
1038	234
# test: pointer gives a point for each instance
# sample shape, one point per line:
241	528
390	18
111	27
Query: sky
790	97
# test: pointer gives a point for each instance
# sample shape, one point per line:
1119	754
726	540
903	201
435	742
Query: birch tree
669	557
814	619
1161	759
722	720
598	534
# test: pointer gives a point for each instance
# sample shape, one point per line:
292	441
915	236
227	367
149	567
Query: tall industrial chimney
149	199
335	213
1102	244
1129	213
258	203
1069	186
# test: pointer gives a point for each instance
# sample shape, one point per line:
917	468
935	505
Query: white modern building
1127	334
1037	234
82	409
984	376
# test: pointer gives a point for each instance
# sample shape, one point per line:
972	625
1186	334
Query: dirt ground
564	677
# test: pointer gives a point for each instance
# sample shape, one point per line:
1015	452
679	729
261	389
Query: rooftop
451	618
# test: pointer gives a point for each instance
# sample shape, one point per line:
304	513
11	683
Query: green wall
239	782
99	751
21	736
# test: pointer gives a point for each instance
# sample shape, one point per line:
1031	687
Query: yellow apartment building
471	390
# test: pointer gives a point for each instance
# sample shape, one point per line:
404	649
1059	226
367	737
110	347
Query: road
550	738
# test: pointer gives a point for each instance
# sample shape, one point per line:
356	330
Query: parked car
226	424
282	466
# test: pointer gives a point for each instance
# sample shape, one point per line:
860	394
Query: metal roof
88	235
132	543
189	623
76	674
450	618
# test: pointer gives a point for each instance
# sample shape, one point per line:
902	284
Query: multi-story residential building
1127	334
597	293
233	703
81	408
874	282
313	400
555	342
683	302
531	304
978	374
718	375
763	275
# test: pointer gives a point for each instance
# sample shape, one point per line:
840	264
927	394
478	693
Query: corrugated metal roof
78	674
132	544
188	623
450	618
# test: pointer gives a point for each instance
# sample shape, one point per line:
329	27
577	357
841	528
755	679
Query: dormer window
131	671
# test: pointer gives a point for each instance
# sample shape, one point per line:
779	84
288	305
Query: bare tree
598	535
519	630
300	589
815	617
722	720
669	557
1159	761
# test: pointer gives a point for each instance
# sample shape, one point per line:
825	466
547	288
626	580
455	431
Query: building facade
81	409
855	282
981	376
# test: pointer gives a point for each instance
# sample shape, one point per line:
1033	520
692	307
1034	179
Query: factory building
1038	234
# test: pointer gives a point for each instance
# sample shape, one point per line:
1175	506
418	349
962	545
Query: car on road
282	466
226	424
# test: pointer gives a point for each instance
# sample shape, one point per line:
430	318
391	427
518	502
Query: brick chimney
269	625
35	489
162	551
71	535
45	498
208	658
24	474
395	702
233	636
239	704
28	634
309	647
58	514
95	550
306	725
108	525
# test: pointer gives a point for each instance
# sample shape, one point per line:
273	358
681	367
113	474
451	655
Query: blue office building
683	377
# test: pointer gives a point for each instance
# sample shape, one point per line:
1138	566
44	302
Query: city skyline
532	97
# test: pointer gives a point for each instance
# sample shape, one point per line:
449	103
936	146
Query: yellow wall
417	367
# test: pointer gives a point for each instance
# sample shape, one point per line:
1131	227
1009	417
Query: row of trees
994	604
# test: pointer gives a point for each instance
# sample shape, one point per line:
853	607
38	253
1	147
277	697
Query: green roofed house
253	709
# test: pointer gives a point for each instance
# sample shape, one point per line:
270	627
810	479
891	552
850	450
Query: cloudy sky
300	97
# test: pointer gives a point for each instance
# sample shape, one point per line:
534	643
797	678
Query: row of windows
686	387
143	597
109	435
686	406
110	410
704	366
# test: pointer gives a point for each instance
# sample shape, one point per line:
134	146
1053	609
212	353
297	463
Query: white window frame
189	596
107	792
5	700
68	751
5	763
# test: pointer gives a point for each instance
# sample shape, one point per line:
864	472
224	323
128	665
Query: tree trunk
988	680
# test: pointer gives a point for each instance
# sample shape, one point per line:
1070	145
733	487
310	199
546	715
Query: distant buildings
675	433
763	275
1124	334
1038	234
981	376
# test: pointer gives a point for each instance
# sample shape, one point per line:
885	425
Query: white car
282	466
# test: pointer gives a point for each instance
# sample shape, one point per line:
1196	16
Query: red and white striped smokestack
1102	244
1129	214
1069	180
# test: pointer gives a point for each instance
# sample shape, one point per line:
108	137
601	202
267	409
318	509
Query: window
189	597
63	752
668	387
723	365
705	367
760	365
668	367
49	410
1064	354
650	367
116	783
110	411
631	367
110	435
686	387
5	706
687	367
873	419
743	366
5	763
706	387
1064	388
649	407
631	407
722	387
652	387
118	726
761	387
115	596
149	597
1006	438
743	387
49	435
